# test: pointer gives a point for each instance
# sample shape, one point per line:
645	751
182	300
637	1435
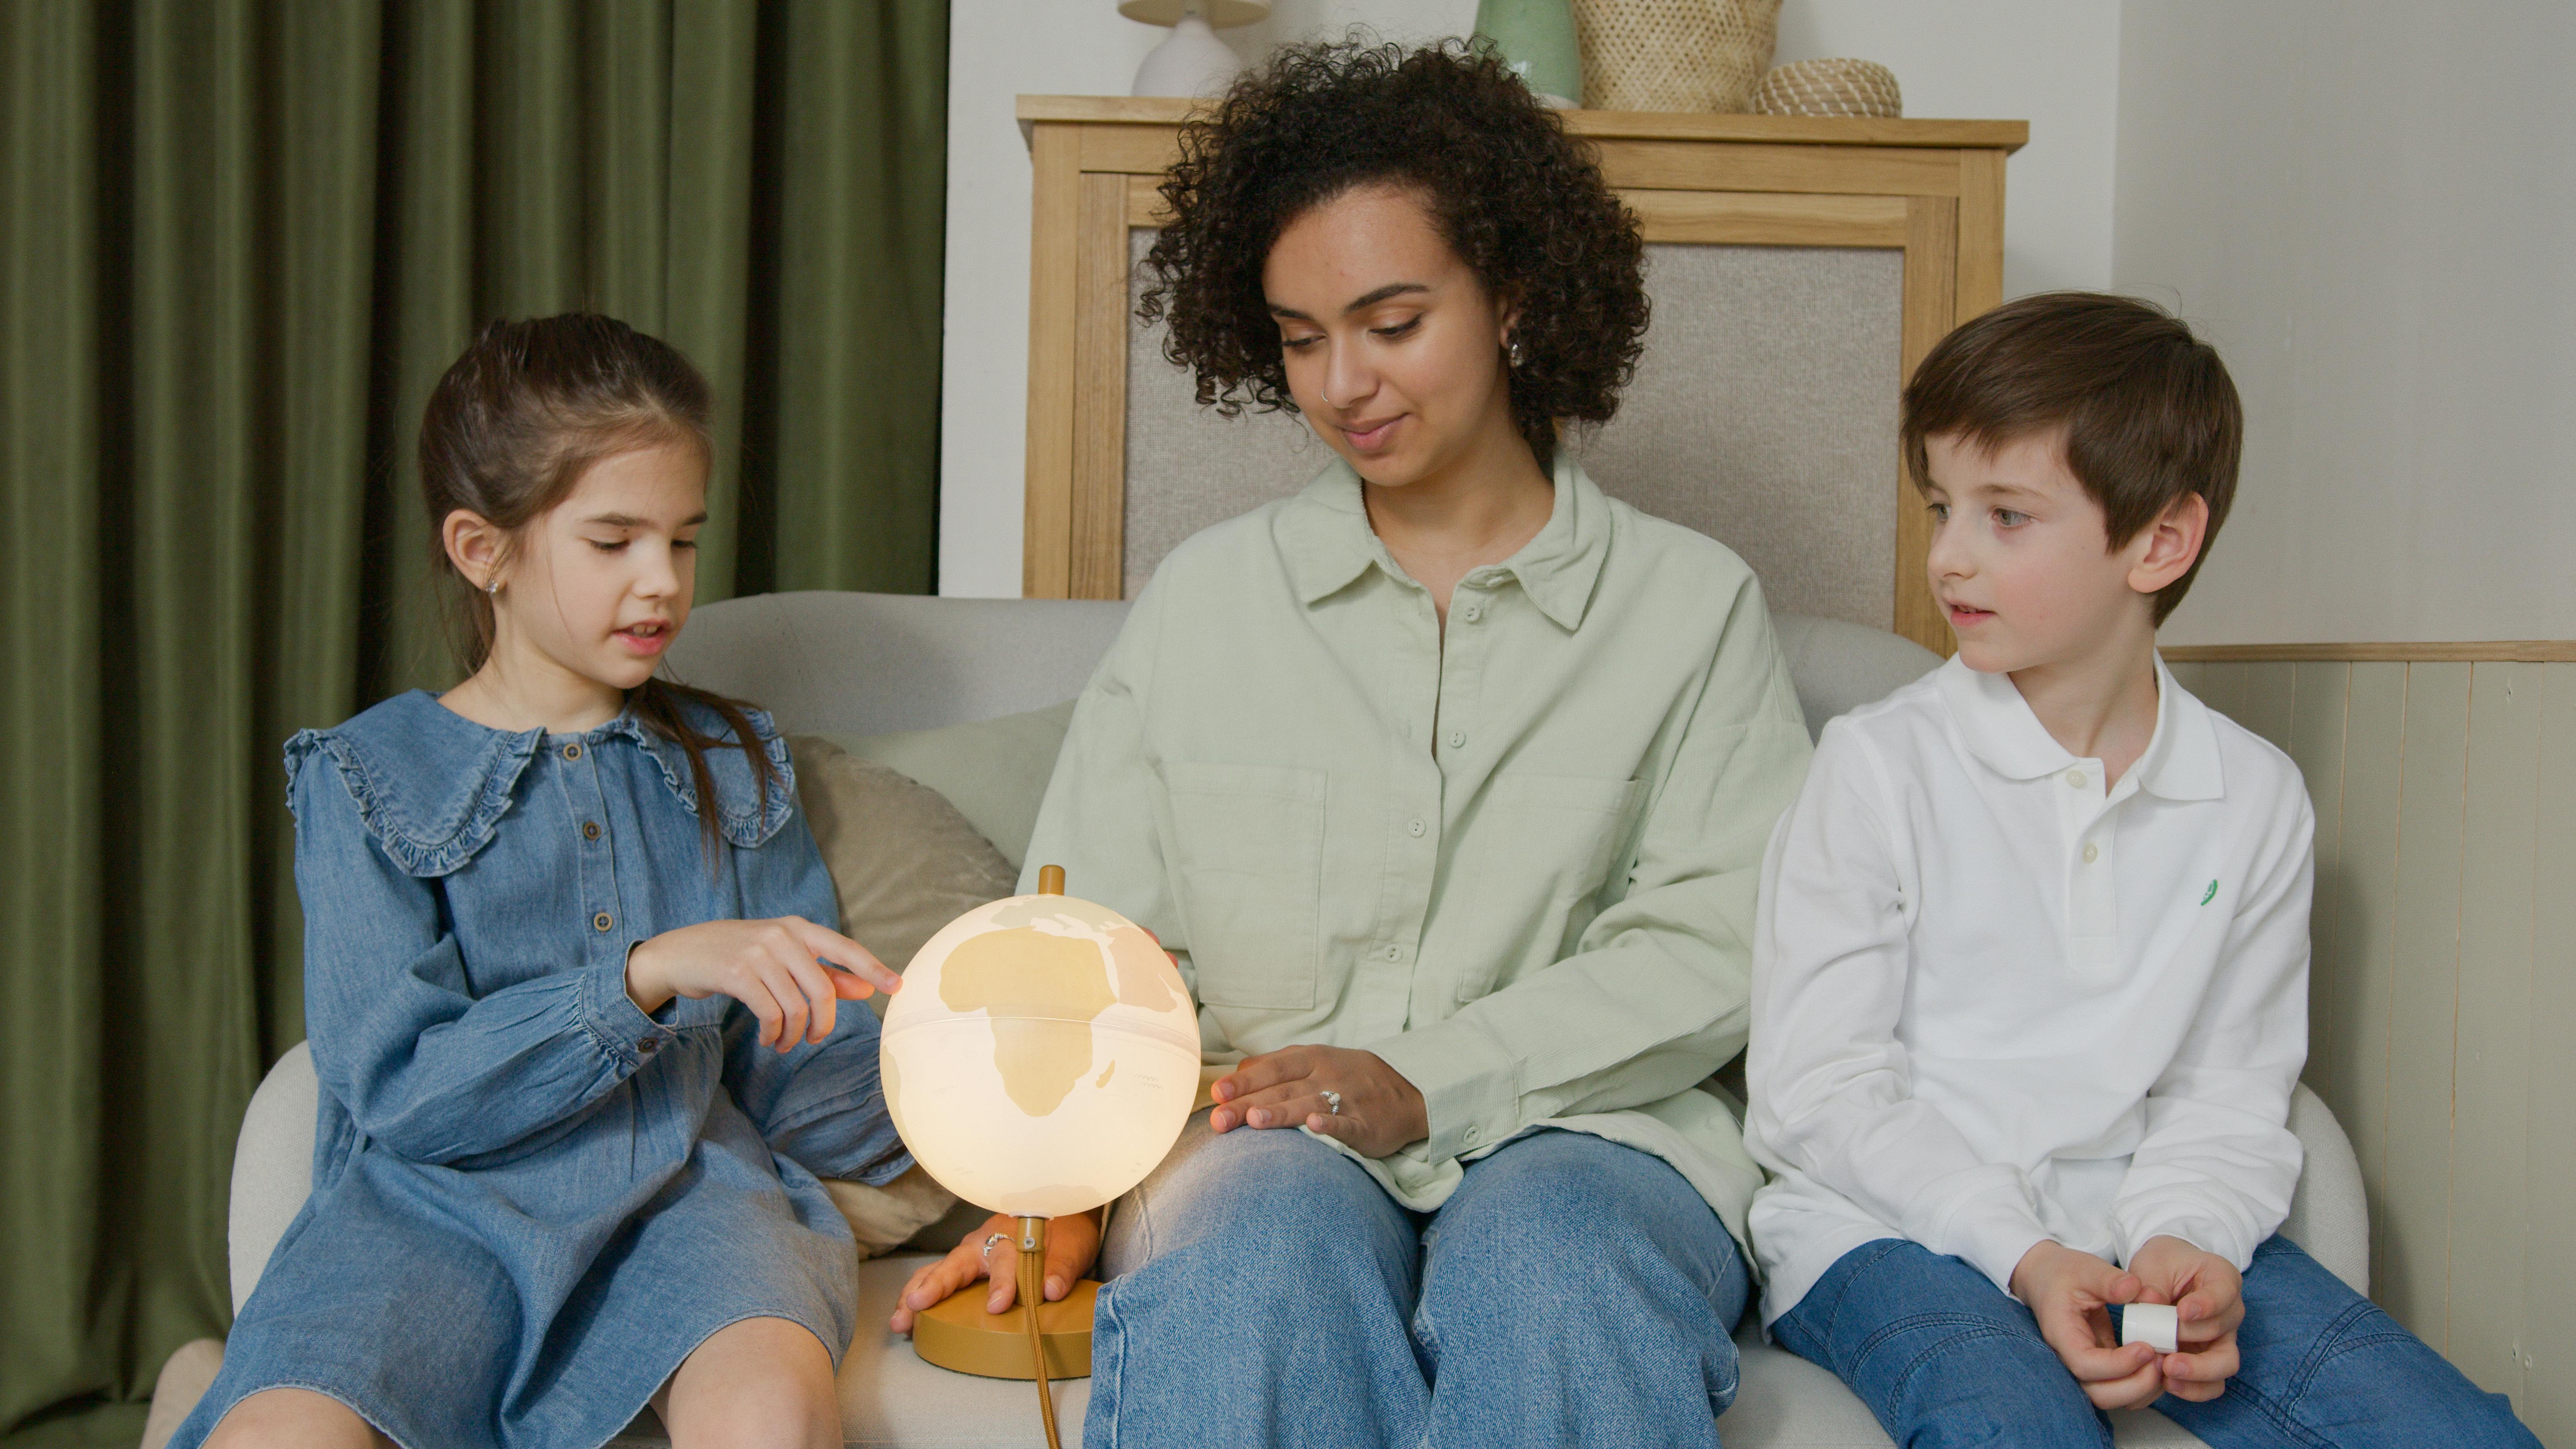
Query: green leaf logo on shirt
2210	894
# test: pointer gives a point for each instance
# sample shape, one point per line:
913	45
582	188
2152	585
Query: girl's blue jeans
1264	1290
1944	1358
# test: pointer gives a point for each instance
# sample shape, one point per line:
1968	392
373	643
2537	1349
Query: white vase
1191	61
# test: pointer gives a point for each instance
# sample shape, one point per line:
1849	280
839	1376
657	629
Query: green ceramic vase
1536	38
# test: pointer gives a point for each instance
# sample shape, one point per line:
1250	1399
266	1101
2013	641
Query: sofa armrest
272	1165
2328	1215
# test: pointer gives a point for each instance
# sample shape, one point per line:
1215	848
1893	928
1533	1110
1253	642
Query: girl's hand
1380	1110
1072	1243
782	969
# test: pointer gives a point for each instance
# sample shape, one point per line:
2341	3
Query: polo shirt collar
2180	763
1327	543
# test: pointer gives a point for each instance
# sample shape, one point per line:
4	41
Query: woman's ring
1333	1103
989	1240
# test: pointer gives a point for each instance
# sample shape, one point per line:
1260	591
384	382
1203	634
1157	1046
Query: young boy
2030	967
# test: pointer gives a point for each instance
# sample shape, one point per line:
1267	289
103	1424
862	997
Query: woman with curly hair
1447	781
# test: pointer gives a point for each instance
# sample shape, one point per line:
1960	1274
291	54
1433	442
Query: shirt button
1475	1135
590	830
1395	953
600	922
572	751
1457	739
2075	778
1474	612
2092	853
1414	826
648	1044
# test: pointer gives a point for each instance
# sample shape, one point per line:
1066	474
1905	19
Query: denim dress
531	1200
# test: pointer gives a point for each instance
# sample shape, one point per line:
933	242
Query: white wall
2370	206
2054	63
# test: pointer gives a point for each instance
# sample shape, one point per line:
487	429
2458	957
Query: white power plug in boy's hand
2070	1293
775	967
2208	1296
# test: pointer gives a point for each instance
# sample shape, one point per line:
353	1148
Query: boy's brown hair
2147	413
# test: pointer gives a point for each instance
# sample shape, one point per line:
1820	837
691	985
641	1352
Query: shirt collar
1326	539
2180	763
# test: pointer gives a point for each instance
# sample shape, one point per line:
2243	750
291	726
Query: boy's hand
2070	1294
1071	1244
781	969
2209	1297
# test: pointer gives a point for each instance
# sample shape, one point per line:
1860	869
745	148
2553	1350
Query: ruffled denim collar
432	785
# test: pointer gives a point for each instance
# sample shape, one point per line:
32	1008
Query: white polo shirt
1994	1003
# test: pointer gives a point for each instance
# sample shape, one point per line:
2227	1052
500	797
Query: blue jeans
1264	1290
1944	1358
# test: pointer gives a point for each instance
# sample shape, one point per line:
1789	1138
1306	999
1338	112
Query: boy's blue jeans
1944	1358
1264	1290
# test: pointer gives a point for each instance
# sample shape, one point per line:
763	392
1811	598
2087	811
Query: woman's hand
1072	1243
784	970
1380	1110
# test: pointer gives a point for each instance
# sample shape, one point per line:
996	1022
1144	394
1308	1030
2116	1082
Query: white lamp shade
1042	1055
1191	61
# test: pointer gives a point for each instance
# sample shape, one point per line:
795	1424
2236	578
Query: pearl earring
1516	354
493	588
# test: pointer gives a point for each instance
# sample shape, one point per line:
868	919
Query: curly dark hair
1521	203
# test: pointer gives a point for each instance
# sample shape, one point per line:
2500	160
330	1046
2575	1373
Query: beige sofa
901	679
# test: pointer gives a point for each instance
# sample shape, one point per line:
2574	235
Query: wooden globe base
958	1334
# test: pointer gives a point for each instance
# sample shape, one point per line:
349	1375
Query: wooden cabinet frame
1931	189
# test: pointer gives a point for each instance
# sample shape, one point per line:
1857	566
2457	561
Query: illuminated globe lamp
1039	1061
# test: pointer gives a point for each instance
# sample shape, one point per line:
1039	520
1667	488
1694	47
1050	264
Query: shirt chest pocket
1248	851
1545	846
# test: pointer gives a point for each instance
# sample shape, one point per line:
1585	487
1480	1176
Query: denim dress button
573	751
600	922
649	1043
590	830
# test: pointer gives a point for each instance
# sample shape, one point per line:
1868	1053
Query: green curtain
239	240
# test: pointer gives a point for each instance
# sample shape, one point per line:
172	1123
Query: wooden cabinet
1843	250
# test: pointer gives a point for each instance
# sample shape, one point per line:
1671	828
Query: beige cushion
904	862
994	771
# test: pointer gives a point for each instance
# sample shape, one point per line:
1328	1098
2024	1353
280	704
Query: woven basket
1829	88
1674	55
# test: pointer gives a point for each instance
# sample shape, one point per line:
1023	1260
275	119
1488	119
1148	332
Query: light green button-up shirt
1518	864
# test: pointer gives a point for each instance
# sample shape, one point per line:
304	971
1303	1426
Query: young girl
574	1018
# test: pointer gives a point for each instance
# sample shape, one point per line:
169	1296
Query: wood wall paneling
2548	1387
2423	1030
2442	999
2491	1081
2365	892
